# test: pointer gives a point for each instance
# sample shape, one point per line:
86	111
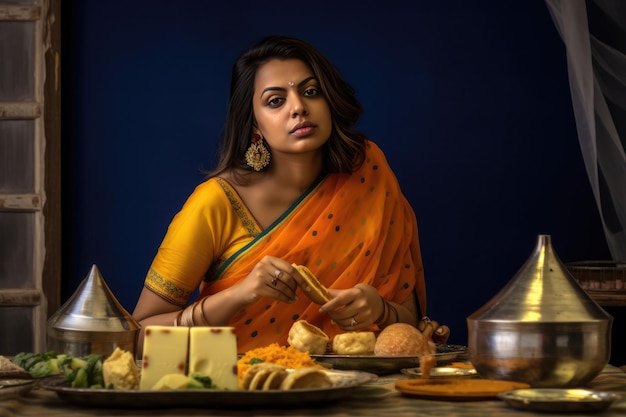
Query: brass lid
93	308
542	291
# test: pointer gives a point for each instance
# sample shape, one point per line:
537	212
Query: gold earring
257	155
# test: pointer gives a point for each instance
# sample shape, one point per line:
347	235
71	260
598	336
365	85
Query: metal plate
10	388
343	384
443	372
559	400
389	364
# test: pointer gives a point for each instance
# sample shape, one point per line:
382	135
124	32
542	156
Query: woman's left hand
355	308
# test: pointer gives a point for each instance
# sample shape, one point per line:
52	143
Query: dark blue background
469	100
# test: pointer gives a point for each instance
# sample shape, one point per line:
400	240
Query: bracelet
177	319
186	318
205	322
391	306
384	316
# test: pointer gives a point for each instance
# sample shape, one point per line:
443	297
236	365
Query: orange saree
347	229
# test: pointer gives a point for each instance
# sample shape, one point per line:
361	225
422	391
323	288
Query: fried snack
120	370
9	370
354	343
401	339
306	337
306	378
268	376
317	292
289	357
263	376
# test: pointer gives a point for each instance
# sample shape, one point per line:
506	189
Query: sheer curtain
594	33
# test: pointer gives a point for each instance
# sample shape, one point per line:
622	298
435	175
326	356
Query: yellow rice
288	357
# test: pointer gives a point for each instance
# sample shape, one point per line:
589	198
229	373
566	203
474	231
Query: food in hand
401	339
269	376
354	343
306	337
315	291
120	370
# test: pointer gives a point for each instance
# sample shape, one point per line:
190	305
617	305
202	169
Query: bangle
395	311
205	322
385	313
186	318
177	319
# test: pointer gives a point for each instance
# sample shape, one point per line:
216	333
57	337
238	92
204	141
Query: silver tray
10	388
343	384
559	400
389	364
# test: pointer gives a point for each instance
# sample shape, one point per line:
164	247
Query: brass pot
92	321
542	328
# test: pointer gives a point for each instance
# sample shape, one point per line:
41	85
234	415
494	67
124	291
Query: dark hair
344	152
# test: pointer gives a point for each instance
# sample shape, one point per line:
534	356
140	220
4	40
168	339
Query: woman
295	184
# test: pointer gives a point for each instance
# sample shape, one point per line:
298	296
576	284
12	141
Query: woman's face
290	111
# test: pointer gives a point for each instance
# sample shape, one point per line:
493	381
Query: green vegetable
203	381
255	360
41	369
79	372
81	379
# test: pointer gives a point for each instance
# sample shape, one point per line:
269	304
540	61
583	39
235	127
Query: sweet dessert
120	371
317	292
213	352
354	343
164	352
306	337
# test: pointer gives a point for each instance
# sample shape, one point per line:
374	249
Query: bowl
542	328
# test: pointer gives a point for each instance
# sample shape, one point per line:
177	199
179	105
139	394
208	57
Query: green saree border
279	221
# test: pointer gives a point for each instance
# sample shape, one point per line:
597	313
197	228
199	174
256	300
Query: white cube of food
164	352
213	353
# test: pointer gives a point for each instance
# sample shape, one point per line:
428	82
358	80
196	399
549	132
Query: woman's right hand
271	277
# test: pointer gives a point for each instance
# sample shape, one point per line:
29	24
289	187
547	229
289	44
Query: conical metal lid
543	290
93	308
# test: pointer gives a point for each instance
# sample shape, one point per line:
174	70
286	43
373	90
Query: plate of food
14	380
560	400
10	388
342	385
444	355
456	389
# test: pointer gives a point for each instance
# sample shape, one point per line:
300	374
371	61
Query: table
378	398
